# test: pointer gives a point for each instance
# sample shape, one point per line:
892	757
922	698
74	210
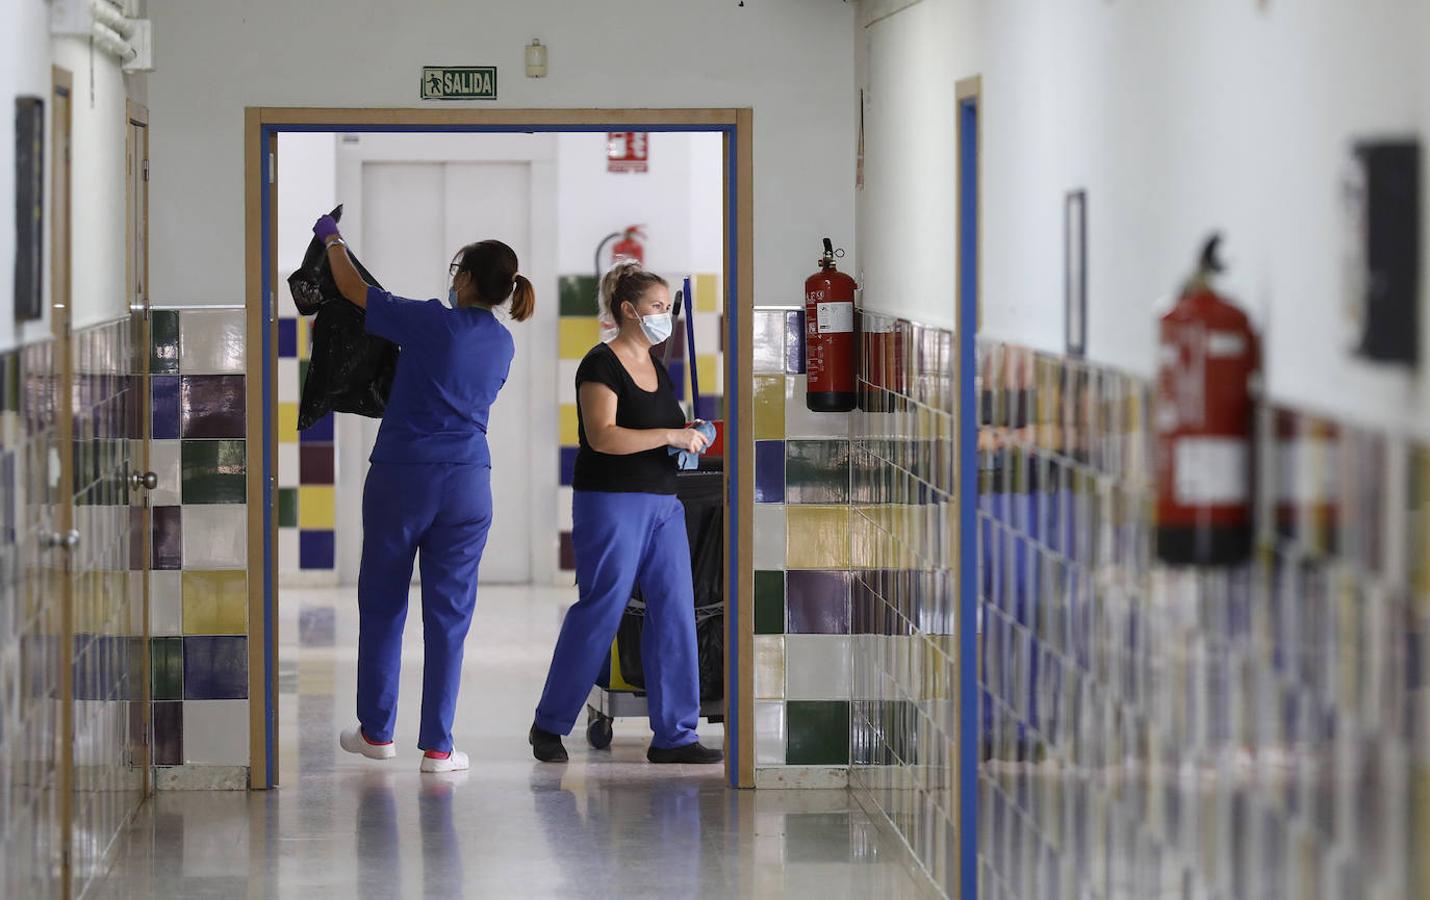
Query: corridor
608	824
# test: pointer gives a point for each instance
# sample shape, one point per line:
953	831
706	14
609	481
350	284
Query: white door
414	218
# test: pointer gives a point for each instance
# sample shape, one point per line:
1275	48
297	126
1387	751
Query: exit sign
459	82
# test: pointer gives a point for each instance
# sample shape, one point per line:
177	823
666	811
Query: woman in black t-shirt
628	527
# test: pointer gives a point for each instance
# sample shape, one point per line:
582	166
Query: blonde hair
624	282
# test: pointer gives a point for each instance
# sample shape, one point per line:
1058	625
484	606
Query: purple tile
315	464
676	368
794	342
166	406
816	602
215	667
707	407
568	553
287	338
568	465
316	550
168	537
212	406
321	431
136	547
769	471
168	733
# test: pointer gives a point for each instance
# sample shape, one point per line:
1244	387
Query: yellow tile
818	537
707	366
215	602
570	427
287	423
769	407
303	337
578	335
707	293
317	506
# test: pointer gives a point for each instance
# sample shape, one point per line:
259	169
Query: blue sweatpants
622	539
445	512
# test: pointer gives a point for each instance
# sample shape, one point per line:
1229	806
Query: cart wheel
598	732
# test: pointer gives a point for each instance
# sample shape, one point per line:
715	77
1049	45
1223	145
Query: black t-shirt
647	472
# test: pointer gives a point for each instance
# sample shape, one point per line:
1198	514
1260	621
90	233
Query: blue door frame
734	323
967	331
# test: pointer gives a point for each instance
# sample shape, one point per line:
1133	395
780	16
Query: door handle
147	480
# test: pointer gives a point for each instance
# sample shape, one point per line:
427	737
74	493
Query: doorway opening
382	185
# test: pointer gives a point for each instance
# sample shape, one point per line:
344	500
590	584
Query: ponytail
625	282
523	298
492	268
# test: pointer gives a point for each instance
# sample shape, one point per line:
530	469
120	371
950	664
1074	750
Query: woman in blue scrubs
429	485
629	527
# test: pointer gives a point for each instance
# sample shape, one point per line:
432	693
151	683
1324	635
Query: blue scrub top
453	363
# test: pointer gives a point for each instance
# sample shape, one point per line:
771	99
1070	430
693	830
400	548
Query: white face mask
657	327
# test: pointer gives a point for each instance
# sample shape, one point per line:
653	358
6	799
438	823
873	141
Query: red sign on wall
627	151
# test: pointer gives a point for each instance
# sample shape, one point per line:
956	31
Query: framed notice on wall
627	151
29	208
1075	272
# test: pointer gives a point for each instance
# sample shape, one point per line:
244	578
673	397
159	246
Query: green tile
287	507
817	471
302	374
818	732
166	662
164	341
214	472
578	295
769	603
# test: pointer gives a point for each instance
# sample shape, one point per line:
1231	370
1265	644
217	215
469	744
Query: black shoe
546	746
692	754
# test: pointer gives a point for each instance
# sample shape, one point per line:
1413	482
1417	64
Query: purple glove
326	228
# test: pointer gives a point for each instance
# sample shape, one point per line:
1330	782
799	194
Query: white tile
817	667
564	495
166	603
566	380
288	550
287	465
769	666
831	778
211	342
216	732
864	648
202	778
290	389
769	536
136	602
166	462
769	733
216	537
707	336
801	423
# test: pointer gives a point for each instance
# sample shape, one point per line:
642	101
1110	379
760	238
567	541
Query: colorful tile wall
307	466
108	604
199	589
579	331
1145	731
30	843
802	544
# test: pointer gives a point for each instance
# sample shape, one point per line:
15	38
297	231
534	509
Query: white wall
1177	118
787	60
24	71
307	187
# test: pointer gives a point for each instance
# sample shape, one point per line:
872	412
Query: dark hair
492	268
625	282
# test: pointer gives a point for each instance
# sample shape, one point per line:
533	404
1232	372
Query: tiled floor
608	824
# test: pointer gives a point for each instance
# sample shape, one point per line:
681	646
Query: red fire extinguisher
1208	358
630	246
829	336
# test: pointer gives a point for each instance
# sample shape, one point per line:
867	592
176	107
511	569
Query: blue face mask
452	297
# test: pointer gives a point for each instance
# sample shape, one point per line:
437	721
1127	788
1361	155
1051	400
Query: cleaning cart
620	691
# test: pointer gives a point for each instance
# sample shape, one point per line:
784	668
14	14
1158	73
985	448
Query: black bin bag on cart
349	370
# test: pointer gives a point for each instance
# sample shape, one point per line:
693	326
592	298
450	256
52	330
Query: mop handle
690	346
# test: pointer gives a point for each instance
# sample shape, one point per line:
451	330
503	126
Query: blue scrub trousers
621	539
445	511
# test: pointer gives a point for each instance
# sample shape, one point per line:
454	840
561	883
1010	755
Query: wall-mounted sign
459	82
627	151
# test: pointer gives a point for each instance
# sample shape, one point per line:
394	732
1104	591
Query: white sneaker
456	762
353	741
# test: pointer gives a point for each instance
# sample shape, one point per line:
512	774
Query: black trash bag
703	493
349	370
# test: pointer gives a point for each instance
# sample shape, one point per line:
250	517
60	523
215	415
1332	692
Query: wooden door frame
261	128
62	362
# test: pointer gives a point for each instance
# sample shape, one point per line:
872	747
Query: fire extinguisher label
1211	471
836	318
